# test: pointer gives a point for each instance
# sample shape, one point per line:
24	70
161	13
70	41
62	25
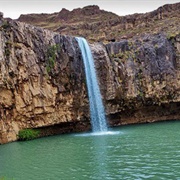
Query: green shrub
28	134
51	57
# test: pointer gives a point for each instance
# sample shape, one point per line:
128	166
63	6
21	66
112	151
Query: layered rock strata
42	81
98	25
140	79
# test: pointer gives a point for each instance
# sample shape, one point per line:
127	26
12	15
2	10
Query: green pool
148	151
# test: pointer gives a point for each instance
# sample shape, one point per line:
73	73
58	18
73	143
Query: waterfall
98	120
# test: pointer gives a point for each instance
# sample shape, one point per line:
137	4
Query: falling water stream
98	119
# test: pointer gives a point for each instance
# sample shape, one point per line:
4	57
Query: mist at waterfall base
97	113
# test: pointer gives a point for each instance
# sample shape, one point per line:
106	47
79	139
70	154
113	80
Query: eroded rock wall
42	80
140	79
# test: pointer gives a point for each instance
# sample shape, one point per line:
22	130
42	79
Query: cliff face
142	79
42	81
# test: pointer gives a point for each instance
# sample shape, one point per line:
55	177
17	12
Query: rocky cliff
140	79
98	25
42	81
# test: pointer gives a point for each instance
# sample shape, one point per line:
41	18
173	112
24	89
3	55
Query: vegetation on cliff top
106	26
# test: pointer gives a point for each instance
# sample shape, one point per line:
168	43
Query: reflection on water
99	153
149	151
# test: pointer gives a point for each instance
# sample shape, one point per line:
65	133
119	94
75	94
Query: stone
139	80
30	95
1	15
96	24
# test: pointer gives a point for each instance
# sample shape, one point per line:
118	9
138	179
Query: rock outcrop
142	79
98	25
42	81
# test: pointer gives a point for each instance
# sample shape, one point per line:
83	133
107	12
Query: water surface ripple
149	151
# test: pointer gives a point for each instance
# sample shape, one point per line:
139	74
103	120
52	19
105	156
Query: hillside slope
98	25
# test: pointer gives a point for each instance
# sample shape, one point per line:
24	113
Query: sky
13	8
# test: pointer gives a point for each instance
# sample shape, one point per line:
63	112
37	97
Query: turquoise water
149	151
